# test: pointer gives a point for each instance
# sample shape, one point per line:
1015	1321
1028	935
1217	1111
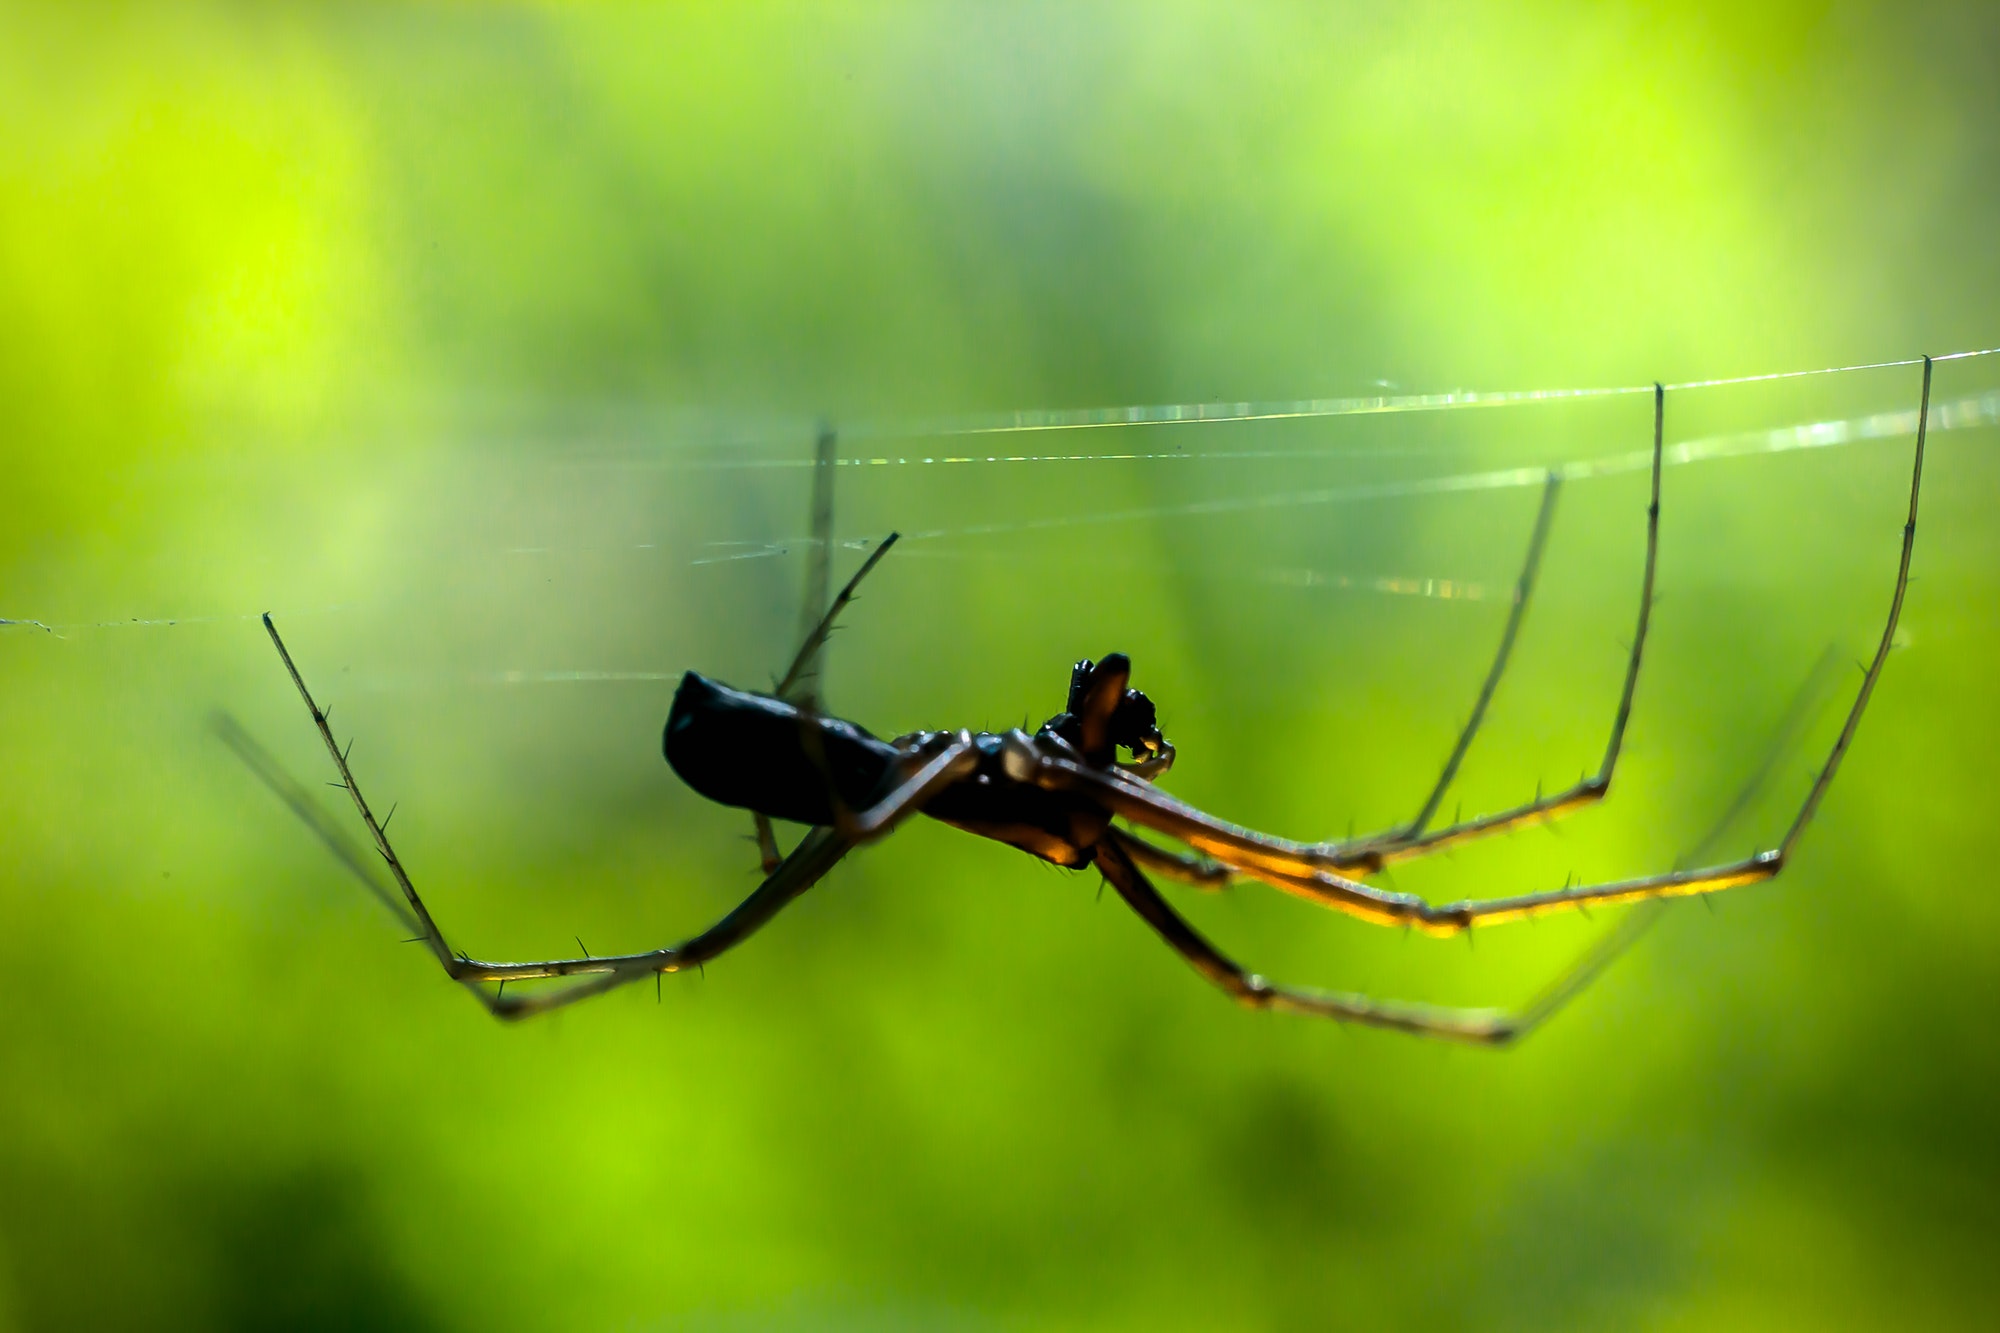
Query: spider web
944	442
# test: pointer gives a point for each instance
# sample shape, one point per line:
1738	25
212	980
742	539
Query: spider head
1104	716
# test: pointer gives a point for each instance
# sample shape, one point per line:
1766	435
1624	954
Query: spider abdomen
748	750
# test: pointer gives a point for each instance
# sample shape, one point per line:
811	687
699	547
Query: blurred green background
471	339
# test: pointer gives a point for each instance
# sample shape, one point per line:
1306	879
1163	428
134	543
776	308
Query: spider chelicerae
1061	792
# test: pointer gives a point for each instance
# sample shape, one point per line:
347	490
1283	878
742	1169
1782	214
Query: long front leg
1486	1027
1311	870
1200	872
1314	870
1369	854
1478	1027
1362	854
1524	590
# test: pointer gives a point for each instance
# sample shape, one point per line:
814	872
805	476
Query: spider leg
1477	1026
809	861
806	665
1372	853
1524	588
1645	915
1805	705
806	866
1314	870
1569	983
286	788
800	683
814	619
801	679
1310	870
1200	871
915	784
1642	918
767	841
1210	874
264	766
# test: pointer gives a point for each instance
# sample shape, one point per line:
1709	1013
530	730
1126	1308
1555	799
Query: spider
1059	792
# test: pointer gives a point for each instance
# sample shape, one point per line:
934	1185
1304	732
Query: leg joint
1447	920
1252	991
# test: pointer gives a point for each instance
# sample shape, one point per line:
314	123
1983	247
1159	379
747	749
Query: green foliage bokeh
468	339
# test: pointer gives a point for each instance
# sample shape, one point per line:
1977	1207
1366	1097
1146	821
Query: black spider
1057	793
